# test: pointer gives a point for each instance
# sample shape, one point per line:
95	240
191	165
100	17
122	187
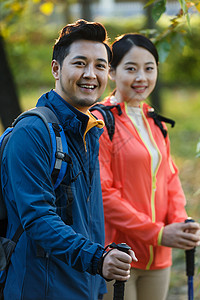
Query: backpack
106	111
59	162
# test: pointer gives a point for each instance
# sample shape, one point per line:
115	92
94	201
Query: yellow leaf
36	1
198	7
47	8
16	7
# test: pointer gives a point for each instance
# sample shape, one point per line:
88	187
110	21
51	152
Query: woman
143	199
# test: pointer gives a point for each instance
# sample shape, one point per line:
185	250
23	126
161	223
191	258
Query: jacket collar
112	101
69	117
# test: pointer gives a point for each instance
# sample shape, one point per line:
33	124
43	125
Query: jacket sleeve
27	172
176	197
119	214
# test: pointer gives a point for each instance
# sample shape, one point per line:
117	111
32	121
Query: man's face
83	76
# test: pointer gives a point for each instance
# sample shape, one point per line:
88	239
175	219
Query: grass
184	107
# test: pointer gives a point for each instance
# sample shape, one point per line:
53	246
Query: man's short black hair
80	30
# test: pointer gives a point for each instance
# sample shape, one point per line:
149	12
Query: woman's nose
140	76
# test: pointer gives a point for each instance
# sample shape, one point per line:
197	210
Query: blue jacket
66	269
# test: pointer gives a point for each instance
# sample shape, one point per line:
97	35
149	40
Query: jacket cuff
95	261
160	236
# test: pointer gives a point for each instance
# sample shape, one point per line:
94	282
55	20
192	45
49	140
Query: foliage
158	9
174	32
29	48
181	66
13	9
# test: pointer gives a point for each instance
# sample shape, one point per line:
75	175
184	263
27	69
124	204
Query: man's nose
89	71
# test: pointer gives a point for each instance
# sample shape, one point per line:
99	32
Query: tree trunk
66	11
155	96
9	102
86	13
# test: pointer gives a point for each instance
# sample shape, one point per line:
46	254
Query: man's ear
111	74
55	68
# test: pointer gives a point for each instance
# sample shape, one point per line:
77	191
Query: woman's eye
150	68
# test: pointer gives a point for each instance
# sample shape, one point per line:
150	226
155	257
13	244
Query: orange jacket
138	203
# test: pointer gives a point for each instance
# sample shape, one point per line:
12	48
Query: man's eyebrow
103	60
85	58
80	57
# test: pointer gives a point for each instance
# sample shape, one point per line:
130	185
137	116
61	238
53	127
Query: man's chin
87	102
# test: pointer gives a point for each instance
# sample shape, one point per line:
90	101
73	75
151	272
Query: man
53	260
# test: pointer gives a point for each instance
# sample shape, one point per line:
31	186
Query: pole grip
190	257
119	286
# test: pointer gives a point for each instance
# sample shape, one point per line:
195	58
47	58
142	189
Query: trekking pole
119	286
190	257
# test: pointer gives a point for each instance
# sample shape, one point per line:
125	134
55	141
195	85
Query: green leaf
149	3
178	41
183	5
163	48
173	42
158	9
188	21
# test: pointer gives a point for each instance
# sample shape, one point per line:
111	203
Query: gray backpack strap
45	113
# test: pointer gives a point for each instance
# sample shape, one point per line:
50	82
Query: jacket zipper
153	187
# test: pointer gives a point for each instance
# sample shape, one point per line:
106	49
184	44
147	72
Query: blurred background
28	30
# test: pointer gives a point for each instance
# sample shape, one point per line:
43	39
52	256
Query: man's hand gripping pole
119	286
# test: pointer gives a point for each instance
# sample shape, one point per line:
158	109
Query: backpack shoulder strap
109	119
3	141
158	119
43	113
60	157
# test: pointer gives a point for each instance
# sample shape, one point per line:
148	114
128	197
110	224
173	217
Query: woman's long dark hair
125	42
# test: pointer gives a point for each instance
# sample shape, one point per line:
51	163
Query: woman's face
135	76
